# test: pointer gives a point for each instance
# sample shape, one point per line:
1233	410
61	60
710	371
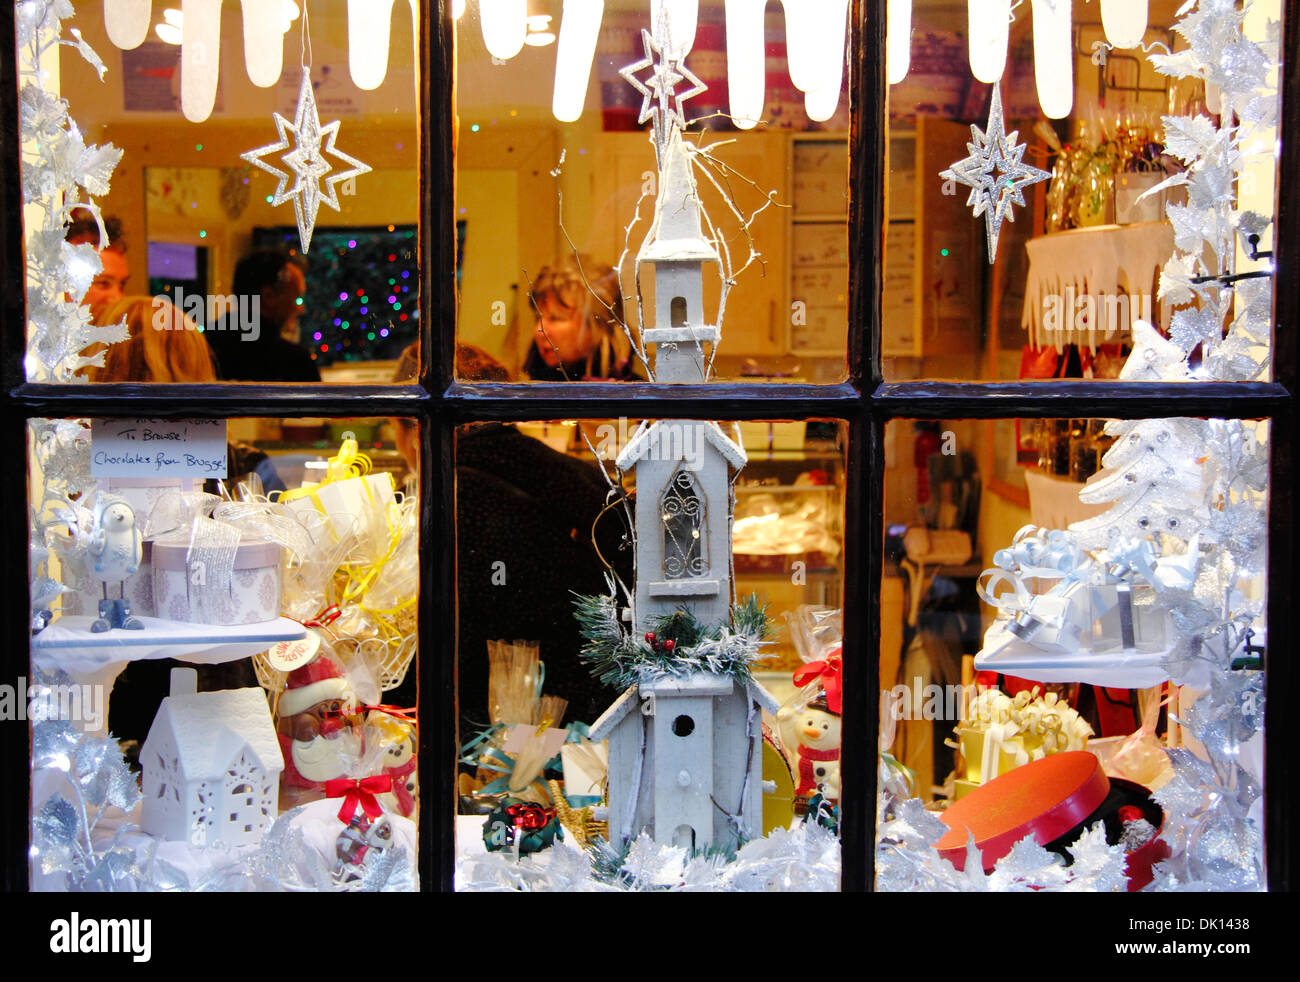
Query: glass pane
245	592
1073	633
1072	252
253	229
562	264
715	535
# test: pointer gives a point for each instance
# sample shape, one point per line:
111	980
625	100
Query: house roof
676	233
645	438
612	716
212	729
628	701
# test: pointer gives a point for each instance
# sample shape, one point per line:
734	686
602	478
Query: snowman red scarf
807	777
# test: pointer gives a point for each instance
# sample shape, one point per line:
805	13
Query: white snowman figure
114	547
817	769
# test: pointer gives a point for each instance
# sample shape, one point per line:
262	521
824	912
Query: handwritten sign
158	448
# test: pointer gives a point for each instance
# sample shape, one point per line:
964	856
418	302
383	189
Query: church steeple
676	246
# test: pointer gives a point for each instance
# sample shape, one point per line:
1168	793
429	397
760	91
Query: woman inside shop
579	333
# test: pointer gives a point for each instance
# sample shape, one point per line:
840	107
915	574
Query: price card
158	448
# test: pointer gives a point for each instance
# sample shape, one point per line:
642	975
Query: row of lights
815	34
172	28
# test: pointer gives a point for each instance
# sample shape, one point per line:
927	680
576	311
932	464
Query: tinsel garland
804	858
58	168
621	660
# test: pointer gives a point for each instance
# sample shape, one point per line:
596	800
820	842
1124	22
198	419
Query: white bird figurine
115	546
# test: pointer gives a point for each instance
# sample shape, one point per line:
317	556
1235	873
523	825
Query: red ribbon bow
530	817
359	792
829	673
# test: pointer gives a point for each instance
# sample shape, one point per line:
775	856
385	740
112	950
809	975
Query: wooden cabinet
934	250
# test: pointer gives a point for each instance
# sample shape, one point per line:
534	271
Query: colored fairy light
316	336
352	243
383	333
364	310
298	301
203	233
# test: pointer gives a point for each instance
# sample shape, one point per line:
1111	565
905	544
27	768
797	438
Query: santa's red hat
312	683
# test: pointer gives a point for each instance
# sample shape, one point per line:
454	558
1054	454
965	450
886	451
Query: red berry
670	644
650	637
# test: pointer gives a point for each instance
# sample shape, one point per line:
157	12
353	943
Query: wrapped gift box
186	591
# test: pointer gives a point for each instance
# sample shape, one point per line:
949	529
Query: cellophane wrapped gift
525	735
360	572
809	722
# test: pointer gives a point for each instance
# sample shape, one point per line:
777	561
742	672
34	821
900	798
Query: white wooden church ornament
211	765
685	749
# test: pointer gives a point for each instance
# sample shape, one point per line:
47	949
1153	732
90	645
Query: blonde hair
590	287
164	345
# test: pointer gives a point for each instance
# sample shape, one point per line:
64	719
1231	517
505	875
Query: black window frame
865	401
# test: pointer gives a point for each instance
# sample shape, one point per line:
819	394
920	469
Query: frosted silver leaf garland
995	172
59	173
306	162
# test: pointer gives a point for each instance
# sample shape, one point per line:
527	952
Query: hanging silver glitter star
661	87
995	173
306	161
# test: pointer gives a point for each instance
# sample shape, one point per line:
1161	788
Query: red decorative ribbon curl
530	817
324	619
829	672
359	792
397	712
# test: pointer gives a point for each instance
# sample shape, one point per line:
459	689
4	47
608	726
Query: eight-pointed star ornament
995	172
661	86
307	162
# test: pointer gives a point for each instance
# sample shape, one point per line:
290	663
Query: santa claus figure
318	726
817	767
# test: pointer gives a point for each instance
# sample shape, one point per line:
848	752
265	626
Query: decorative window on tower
683	521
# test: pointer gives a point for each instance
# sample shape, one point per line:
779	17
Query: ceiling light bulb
173	17
579	31
505	26
898	40
539	39
168	33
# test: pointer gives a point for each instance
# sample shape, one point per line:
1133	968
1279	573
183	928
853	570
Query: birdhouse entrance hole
677	312
683	726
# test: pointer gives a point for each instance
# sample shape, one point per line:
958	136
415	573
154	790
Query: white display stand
98	659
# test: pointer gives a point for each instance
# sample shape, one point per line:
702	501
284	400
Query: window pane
1083	640
278	561
297	262
1052	284
728	522
558	187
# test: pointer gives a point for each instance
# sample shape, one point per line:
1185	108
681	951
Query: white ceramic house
211	765
685	753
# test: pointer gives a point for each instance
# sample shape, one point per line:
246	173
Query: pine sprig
619	660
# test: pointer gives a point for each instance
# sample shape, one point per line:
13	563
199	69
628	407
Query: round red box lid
1045	798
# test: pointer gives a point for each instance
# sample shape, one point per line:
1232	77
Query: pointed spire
661	102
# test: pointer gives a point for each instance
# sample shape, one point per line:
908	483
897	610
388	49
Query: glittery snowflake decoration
315	178
60	172
995	172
